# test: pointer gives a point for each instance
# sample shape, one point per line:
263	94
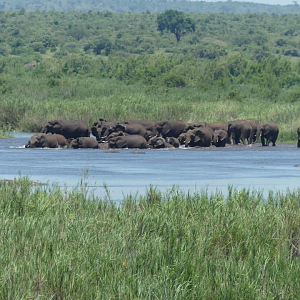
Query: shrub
174	80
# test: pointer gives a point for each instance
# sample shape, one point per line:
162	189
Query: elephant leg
263	142
236	139
298	143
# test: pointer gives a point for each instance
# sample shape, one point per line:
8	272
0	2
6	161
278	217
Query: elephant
254	130
298	132
219	138
182	138
199	137
194	125
83	142
128	141
96	126
158	142
101	128
149	125
173	141
42	140
268	133
218	126
112	135
169	128
69	129
61	140
239	130
130	128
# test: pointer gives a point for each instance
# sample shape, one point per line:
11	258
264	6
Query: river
126	172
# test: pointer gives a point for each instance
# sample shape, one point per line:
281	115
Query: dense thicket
149	5
91	65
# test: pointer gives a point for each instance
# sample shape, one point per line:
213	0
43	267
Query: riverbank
65	244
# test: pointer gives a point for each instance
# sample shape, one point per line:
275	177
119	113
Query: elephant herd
152	135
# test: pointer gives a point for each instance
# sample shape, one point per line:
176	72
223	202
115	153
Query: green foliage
174	80
169	244
175	22
146	6
4	84
87	65
38	47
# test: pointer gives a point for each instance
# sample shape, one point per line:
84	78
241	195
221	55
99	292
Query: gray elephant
158	142
218	126
239	130
173	141
69	129
169	128
254	130
149	125
61	140
220	138
194	125
130	128
97	127
42	140
182	138
199	137
83	142
128	141
268	133
298	132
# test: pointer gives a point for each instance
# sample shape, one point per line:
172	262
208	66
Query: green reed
33	102
60	244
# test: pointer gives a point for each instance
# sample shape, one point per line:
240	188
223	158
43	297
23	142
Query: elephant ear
166	128
57	126
42	140
267	130
197	138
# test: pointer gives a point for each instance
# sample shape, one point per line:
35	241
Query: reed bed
32	103
62	244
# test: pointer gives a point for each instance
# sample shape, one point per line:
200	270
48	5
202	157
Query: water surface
132	171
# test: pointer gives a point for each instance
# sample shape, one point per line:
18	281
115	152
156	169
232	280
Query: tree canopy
176	22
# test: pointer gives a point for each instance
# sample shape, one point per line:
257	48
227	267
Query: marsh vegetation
64	244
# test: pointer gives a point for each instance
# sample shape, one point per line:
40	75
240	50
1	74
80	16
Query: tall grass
5	131
59	244
30	104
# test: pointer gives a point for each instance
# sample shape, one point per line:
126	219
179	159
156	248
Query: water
133	171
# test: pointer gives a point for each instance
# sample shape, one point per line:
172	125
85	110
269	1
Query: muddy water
133	171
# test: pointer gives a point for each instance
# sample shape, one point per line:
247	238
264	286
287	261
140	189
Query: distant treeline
149	6
86	65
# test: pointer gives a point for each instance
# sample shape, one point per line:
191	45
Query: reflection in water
131	171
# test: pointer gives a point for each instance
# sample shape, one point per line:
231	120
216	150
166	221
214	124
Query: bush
38	47
174	80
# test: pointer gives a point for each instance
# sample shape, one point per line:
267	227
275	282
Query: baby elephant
158	142
83	142
42	140
128	141
219	138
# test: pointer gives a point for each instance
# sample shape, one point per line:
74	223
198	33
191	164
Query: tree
175	22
